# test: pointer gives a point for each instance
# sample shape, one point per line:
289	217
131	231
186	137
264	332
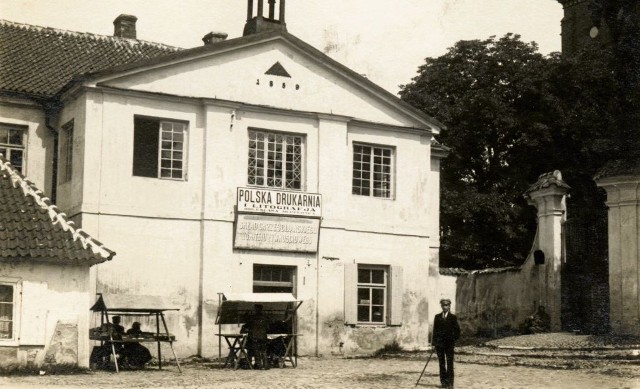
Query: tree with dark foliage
510	115
491	95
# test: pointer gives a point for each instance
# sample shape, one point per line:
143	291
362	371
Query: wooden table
238	349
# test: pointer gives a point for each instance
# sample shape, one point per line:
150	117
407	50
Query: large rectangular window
66	152
372	171
159	148
6	311
275	160
12	145
273	279
372	294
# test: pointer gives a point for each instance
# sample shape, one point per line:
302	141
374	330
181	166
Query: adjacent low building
45	286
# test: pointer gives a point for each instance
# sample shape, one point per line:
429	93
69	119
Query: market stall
279	308
112	339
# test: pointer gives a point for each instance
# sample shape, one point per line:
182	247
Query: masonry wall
497	301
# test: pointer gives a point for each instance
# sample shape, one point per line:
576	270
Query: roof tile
31	228
52	56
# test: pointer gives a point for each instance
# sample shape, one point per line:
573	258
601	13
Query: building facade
255	164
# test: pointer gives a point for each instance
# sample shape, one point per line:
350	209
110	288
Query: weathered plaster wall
490	301
52	314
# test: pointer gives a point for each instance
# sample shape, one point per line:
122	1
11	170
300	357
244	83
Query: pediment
272	72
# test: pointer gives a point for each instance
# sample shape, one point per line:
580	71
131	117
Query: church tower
257	22
579	30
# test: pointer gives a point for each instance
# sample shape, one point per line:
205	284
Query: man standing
257	325
445	333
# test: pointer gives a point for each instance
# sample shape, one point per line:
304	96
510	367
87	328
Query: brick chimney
125	26
214	37
257	22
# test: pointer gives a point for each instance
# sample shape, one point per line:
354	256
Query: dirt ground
472	371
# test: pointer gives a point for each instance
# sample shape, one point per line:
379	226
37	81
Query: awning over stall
129	304
236	306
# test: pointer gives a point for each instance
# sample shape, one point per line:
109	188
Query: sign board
278	233
279	202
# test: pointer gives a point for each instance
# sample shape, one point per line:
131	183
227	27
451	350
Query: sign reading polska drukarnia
279	202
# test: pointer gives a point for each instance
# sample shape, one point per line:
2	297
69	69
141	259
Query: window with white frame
275	159
12	145
372	171
7	293
373	294
66	152
159	148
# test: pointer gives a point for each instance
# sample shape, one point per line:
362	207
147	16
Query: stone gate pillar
623	200
548	196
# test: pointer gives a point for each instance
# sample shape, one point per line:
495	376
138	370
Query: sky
386	40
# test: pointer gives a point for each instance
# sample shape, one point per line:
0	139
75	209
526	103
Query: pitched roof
38	61
31	228
41	62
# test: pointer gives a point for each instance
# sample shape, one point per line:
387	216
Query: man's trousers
445	360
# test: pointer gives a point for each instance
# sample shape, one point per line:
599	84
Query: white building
251	164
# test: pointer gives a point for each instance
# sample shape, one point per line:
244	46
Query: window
12	145
6	311
66	152
158	148
273	279
373	295
275	160
372	167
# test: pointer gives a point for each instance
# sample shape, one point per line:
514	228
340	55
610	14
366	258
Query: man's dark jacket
445	331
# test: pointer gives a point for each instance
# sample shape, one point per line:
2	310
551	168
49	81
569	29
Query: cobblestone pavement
333	372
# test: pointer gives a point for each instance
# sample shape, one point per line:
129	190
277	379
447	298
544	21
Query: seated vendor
100	356
134	354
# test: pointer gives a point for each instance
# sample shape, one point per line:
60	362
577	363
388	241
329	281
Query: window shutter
395	305
34	313
146	138
350	293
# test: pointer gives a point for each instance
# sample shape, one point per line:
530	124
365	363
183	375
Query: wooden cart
109	305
